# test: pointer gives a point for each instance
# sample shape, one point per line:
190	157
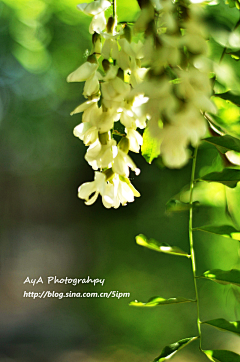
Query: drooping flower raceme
158	81
177	83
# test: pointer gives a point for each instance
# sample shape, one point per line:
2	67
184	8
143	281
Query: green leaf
229	96
231	3
153	302
227	231
151	146
158	246
224	325
223	276
218	355
127	10
235	55
175	205
169	351
229	177
225	143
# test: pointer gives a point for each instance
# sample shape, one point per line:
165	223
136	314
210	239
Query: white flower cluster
110	72
177	84
171	92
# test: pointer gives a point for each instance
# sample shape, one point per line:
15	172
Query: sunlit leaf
232	3
227	231
233	205
169	351
151	146
229	96
222	356
223	276
158	246
229	177
127	10
224	325
225	143
175	205
235	55
153	302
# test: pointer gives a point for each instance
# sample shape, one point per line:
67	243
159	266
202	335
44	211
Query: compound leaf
218	355
155	301
223	276
160	247
224	143
227	231
169	351
225	325
229	177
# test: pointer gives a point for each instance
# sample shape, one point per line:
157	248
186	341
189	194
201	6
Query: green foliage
222	356
225	143
175	205
155	301
158	246
233	3
229	96
224	325
151	146
172	349
223	276
128	10
229	177
227	231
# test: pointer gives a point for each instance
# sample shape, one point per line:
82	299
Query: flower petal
85	71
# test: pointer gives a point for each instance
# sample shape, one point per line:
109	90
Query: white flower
115	192
174	146
114	91
122	163
84	72
90	190
132	113
135	140
124	191
137	73
86	133
100	156
96	9
98	23
110	49
91	86
82	107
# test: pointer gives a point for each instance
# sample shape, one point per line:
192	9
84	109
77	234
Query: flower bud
92	59
97	44
127	33
95	37
106	65
110	25
120	74
109	174
104	138
124	144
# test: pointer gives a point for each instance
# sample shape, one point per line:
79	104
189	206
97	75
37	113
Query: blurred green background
46	230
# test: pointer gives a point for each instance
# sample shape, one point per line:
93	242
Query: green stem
115	11
191	244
